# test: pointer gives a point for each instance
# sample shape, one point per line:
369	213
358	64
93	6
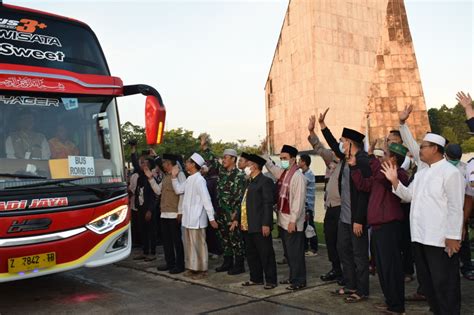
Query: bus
63	192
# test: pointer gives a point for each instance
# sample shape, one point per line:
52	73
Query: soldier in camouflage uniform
230	189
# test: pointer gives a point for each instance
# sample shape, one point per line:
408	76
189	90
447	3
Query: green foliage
450	123
450	135
177	141
468	145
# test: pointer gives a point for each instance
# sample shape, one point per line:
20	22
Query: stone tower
354	56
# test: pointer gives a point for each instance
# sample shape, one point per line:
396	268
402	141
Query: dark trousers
331	223
311	242
260	258
407	255
387	241
439	277
465	252
354	254
172	243
136	233
293	248
148	232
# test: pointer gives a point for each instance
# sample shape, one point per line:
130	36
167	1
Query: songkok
353	135
292	151
245	155
434	138
170	157
257	159
197	159
454	151
230	152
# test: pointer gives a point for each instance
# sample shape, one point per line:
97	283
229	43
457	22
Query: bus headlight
108	221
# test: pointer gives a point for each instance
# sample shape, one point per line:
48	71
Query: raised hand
147	172
321	119
312	122
390	172
403	115
466	102
264	146
175	171
204	140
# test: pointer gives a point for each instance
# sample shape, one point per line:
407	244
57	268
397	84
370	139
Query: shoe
310	253
176	270
239	266
188	273
140	257
150	258
226	265
415	297
200	275
282	262
408	278
331	275
380	306
163	268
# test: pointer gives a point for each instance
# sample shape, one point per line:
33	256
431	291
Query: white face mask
247	171
341	147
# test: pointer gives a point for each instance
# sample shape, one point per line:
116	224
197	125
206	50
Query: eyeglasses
425	146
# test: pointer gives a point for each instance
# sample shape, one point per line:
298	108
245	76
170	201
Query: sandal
285	281
342	292
251	283
355	298
269	286
295	287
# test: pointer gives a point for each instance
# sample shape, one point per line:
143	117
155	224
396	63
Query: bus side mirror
155	115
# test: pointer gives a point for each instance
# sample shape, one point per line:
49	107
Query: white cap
434	138
230	152
379	152
198	159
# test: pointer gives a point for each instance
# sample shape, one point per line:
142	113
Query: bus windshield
46	41
49	137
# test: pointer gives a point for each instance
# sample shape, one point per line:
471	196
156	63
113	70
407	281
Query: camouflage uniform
230	189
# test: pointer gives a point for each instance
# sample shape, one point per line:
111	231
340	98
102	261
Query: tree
468	145
449	134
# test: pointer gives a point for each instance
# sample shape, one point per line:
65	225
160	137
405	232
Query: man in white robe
196	209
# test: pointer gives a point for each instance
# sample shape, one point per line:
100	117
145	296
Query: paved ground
138	288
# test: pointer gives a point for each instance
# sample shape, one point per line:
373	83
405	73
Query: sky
210	59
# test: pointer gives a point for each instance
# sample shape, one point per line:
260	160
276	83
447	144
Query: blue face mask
454	162
285	165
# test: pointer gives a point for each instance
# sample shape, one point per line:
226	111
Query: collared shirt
437	197
346	212
196	205
469	171
332	194
27	145
310	190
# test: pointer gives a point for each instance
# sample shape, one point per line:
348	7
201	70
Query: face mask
341	147
454	162
285	165
247	171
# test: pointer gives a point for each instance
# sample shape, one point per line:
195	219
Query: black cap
170	157
292	151
353	135
245	155
256	159
454	151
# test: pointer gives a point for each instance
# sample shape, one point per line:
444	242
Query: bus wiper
59	182
11	175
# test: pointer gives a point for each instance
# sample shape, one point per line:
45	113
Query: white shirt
469	171
157	188
412	145
196	205
437	198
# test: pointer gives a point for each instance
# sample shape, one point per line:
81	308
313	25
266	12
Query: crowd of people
395	206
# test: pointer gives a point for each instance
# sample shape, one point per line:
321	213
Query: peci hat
245	155
353	135
169	157
454	151
230	152
290	150
435	138
257	159
197	159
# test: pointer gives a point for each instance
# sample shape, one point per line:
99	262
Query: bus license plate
29	263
